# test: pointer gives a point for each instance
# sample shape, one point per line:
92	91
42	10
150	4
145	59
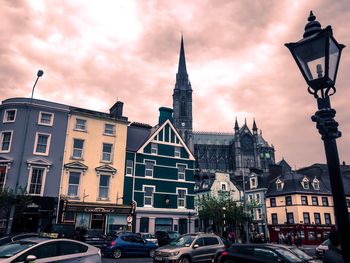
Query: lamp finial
312	27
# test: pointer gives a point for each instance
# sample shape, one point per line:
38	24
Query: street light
317	56
224	233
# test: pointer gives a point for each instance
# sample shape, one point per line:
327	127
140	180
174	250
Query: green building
159	177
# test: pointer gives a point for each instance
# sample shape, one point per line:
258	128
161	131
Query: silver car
41	250
190	248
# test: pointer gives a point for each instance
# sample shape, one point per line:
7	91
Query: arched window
183	108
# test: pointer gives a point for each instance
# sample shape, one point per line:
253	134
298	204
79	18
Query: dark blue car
126	244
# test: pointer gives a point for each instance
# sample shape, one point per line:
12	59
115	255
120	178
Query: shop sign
99	210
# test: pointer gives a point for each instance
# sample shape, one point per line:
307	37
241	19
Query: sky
94	53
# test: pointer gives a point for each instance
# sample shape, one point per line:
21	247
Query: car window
301	254
46	250
69	247
19	237
264	253
288	255
8	250
326	242
242	250
210	241
137	239
127	238
199	242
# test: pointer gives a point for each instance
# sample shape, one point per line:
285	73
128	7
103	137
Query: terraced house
93	170
159	177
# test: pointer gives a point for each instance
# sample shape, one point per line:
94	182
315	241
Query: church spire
255	128
236	126
182	76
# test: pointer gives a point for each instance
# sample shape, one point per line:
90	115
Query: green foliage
20	199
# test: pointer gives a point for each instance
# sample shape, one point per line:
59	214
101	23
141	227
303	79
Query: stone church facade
214	151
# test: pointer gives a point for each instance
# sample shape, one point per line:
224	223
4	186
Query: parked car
190	248
126	244
165	237
16	237
258	253
321	249
298	252
150	237
94	237
49	250
59	231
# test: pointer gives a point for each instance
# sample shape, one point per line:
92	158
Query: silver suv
190	248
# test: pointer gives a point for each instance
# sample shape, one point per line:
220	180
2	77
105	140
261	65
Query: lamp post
245	212
317	56
224	233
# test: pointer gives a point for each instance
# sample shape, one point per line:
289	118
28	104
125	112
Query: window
316	184
107	152
36	181
144	222
80	125
42	143
252	182
2	177
317	218
47	251
73	184
306	218
314	200
348	202
274	219
305	183
279	184
6	138
69	216
149	168
45	118
200	242
273	202
104	186
288	200
259	213
257	198
129	167
148	198
181	198
70	247
223	187
325	201
327	219
265	254
78	146
109	129
10	116
154	148
211	241
181	172
290	218
177	152
304	200
250	198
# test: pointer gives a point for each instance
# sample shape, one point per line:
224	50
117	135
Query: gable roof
137	135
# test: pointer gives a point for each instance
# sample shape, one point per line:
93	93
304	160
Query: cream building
93	170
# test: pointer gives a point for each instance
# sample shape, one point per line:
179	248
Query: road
125	260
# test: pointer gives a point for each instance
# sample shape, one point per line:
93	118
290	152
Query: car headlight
175	253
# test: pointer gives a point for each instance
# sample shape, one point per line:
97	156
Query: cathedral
215	151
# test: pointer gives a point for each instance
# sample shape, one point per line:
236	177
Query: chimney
117	110
164	114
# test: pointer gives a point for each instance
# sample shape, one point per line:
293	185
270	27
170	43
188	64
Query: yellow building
93	171
298	205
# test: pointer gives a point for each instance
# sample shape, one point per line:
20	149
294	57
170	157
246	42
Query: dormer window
316	184
279	184
305	183
253	182
223	187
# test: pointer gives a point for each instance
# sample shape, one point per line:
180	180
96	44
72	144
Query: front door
98	221
183	226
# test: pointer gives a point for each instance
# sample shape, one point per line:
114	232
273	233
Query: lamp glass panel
333	58
311	57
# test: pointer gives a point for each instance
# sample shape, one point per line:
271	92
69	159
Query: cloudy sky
96	52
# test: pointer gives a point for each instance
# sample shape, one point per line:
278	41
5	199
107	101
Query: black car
165	237
59	231
258	253
94	237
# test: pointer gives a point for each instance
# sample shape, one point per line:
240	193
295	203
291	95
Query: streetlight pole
245	210
224	233
12	210
317	56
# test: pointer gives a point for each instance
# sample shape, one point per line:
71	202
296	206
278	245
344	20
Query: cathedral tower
182	100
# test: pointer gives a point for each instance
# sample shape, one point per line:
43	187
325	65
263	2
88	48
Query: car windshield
301	254
173	235
182	241
149	236
13	248
288	255
326	242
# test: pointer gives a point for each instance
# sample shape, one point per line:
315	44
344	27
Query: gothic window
183	111
247	144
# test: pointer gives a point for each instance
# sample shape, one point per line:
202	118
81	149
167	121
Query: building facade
93	175
33	134
159	177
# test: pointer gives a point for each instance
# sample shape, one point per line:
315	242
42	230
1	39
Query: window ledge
79	130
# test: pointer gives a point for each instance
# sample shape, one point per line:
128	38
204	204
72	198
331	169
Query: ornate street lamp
317	56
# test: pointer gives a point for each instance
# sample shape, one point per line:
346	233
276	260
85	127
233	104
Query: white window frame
43	179
259	213
82	149
221	186
250	198
47	145
5	177
78	128
113	129
108	188
177	152
257	198
154	148
129	168
154	163
178	172
316	184
110	154
251	183
2	140
78	190
144	196
43	123
184	199
4	120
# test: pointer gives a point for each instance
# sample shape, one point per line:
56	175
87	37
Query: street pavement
127	259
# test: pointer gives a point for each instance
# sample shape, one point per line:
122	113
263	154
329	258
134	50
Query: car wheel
117	253
151	252
184	260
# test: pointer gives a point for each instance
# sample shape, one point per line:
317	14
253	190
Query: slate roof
138	133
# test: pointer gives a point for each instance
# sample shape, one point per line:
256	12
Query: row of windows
81	125
306	218
78	150
304	201
304	183
150	190
154	150
256	200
